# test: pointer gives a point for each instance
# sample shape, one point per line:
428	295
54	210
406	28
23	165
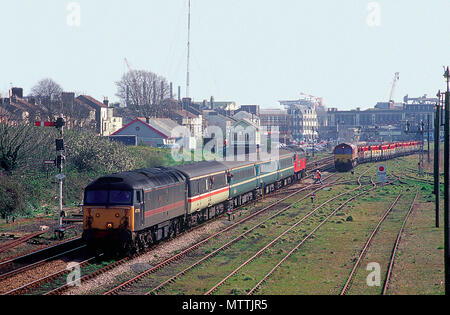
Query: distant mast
189	47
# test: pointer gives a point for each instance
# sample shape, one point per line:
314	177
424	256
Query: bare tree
20	144
48	92
47	88
144	92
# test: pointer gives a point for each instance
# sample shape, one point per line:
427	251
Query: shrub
88	152
11	198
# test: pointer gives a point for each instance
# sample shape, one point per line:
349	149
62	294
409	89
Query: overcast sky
248	51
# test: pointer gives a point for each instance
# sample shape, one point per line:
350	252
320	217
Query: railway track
33	259
369	241
395	247
366	246
289	254
324	164
270	244
20	240
118	289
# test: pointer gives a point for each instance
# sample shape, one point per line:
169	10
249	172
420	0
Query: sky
247	51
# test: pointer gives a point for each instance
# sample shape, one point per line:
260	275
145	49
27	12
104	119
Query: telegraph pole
446	182
428	138
188	48
437	128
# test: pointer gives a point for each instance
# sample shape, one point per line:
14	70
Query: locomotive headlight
117	215
109	225
97	215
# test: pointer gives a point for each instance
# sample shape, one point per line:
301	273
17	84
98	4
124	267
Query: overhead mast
189	47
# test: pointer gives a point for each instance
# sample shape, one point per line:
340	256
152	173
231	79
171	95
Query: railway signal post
59	164
58	124
420	130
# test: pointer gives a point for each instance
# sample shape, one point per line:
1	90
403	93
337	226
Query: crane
135	84
396	78
318	100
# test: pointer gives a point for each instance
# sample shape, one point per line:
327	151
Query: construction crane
135	84
396	78
318	100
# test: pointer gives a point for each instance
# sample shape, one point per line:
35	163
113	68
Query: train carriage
267	174
285	165
243	181
207	185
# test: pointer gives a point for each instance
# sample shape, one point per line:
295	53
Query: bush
88	152
11	198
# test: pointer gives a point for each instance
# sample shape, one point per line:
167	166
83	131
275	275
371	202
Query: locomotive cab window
96	197
105	197
120	197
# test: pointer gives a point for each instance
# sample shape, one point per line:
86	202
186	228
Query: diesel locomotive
347	156
132	210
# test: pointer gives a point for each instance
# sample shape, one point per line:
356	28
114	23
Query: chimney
18	92
68	98
106	101
186	102
211	104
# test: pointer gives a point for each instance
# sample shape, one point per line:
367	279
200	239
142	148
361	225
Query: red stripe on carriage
163	209
208	195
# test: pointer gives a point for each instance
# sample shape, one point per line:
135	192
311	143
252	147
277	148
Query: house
303	122
244	132
248	116
77	113
215	120
155	132
277	118
106	122
191	121
19	108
